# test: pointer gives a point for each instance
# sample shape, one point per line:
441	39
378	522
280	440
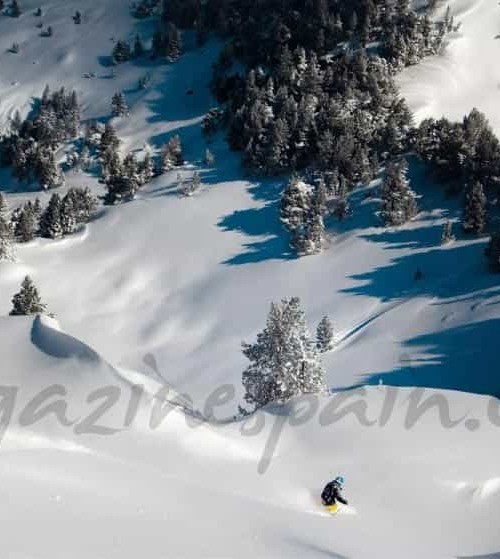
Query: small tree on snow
284	360
475	212
188	189
209	158
119	105
172	155
324	335
121	52
447	236
27	301
398	200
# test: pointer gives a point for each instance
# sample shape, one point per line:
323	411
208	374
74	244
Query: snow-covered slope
196	491
467	74
167	287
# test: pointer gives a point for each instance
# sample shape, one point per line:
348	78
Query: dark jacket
332	494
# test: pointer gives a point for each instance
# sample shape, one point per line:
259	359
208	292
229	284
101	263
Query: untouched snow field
467	75
161	292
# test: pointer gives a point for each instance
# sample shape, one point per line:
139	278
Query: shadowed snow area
161	291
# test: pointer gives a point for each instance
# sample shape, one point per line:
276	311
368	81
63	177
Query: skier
331	495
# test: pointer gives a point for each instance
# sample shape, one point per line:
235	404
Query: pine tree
172	155
188	189
26	223
50	221
147	168
324	335
130	167
447	235
284	360
475	211
84	204
67	212
173	42
109	139
119	105
49	174
121	52
398	200
111	165
73	116
7	251
27	301
209	158
295	204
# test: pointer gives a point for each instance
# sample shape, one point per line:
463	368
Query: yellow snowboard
333	509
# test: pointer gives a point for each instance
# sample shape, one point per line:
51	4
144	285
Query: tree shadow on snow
260	222
447	271
463	358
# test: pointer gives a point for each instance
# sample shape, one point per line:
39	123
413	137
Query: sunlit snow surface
162	291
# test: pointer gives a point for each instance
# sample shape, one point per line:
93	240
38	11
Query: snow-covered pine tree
48	172
67	213
130	166
27	301
85	160
311	241
121	189
26	223
209	158
84	202
7	250
109	138
189	188
447	235
173	42
111	165
172	155
195	182
284	360
119	105
121	52
146	168
50	221
295	207
398	200
73	116
475	211
324	335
